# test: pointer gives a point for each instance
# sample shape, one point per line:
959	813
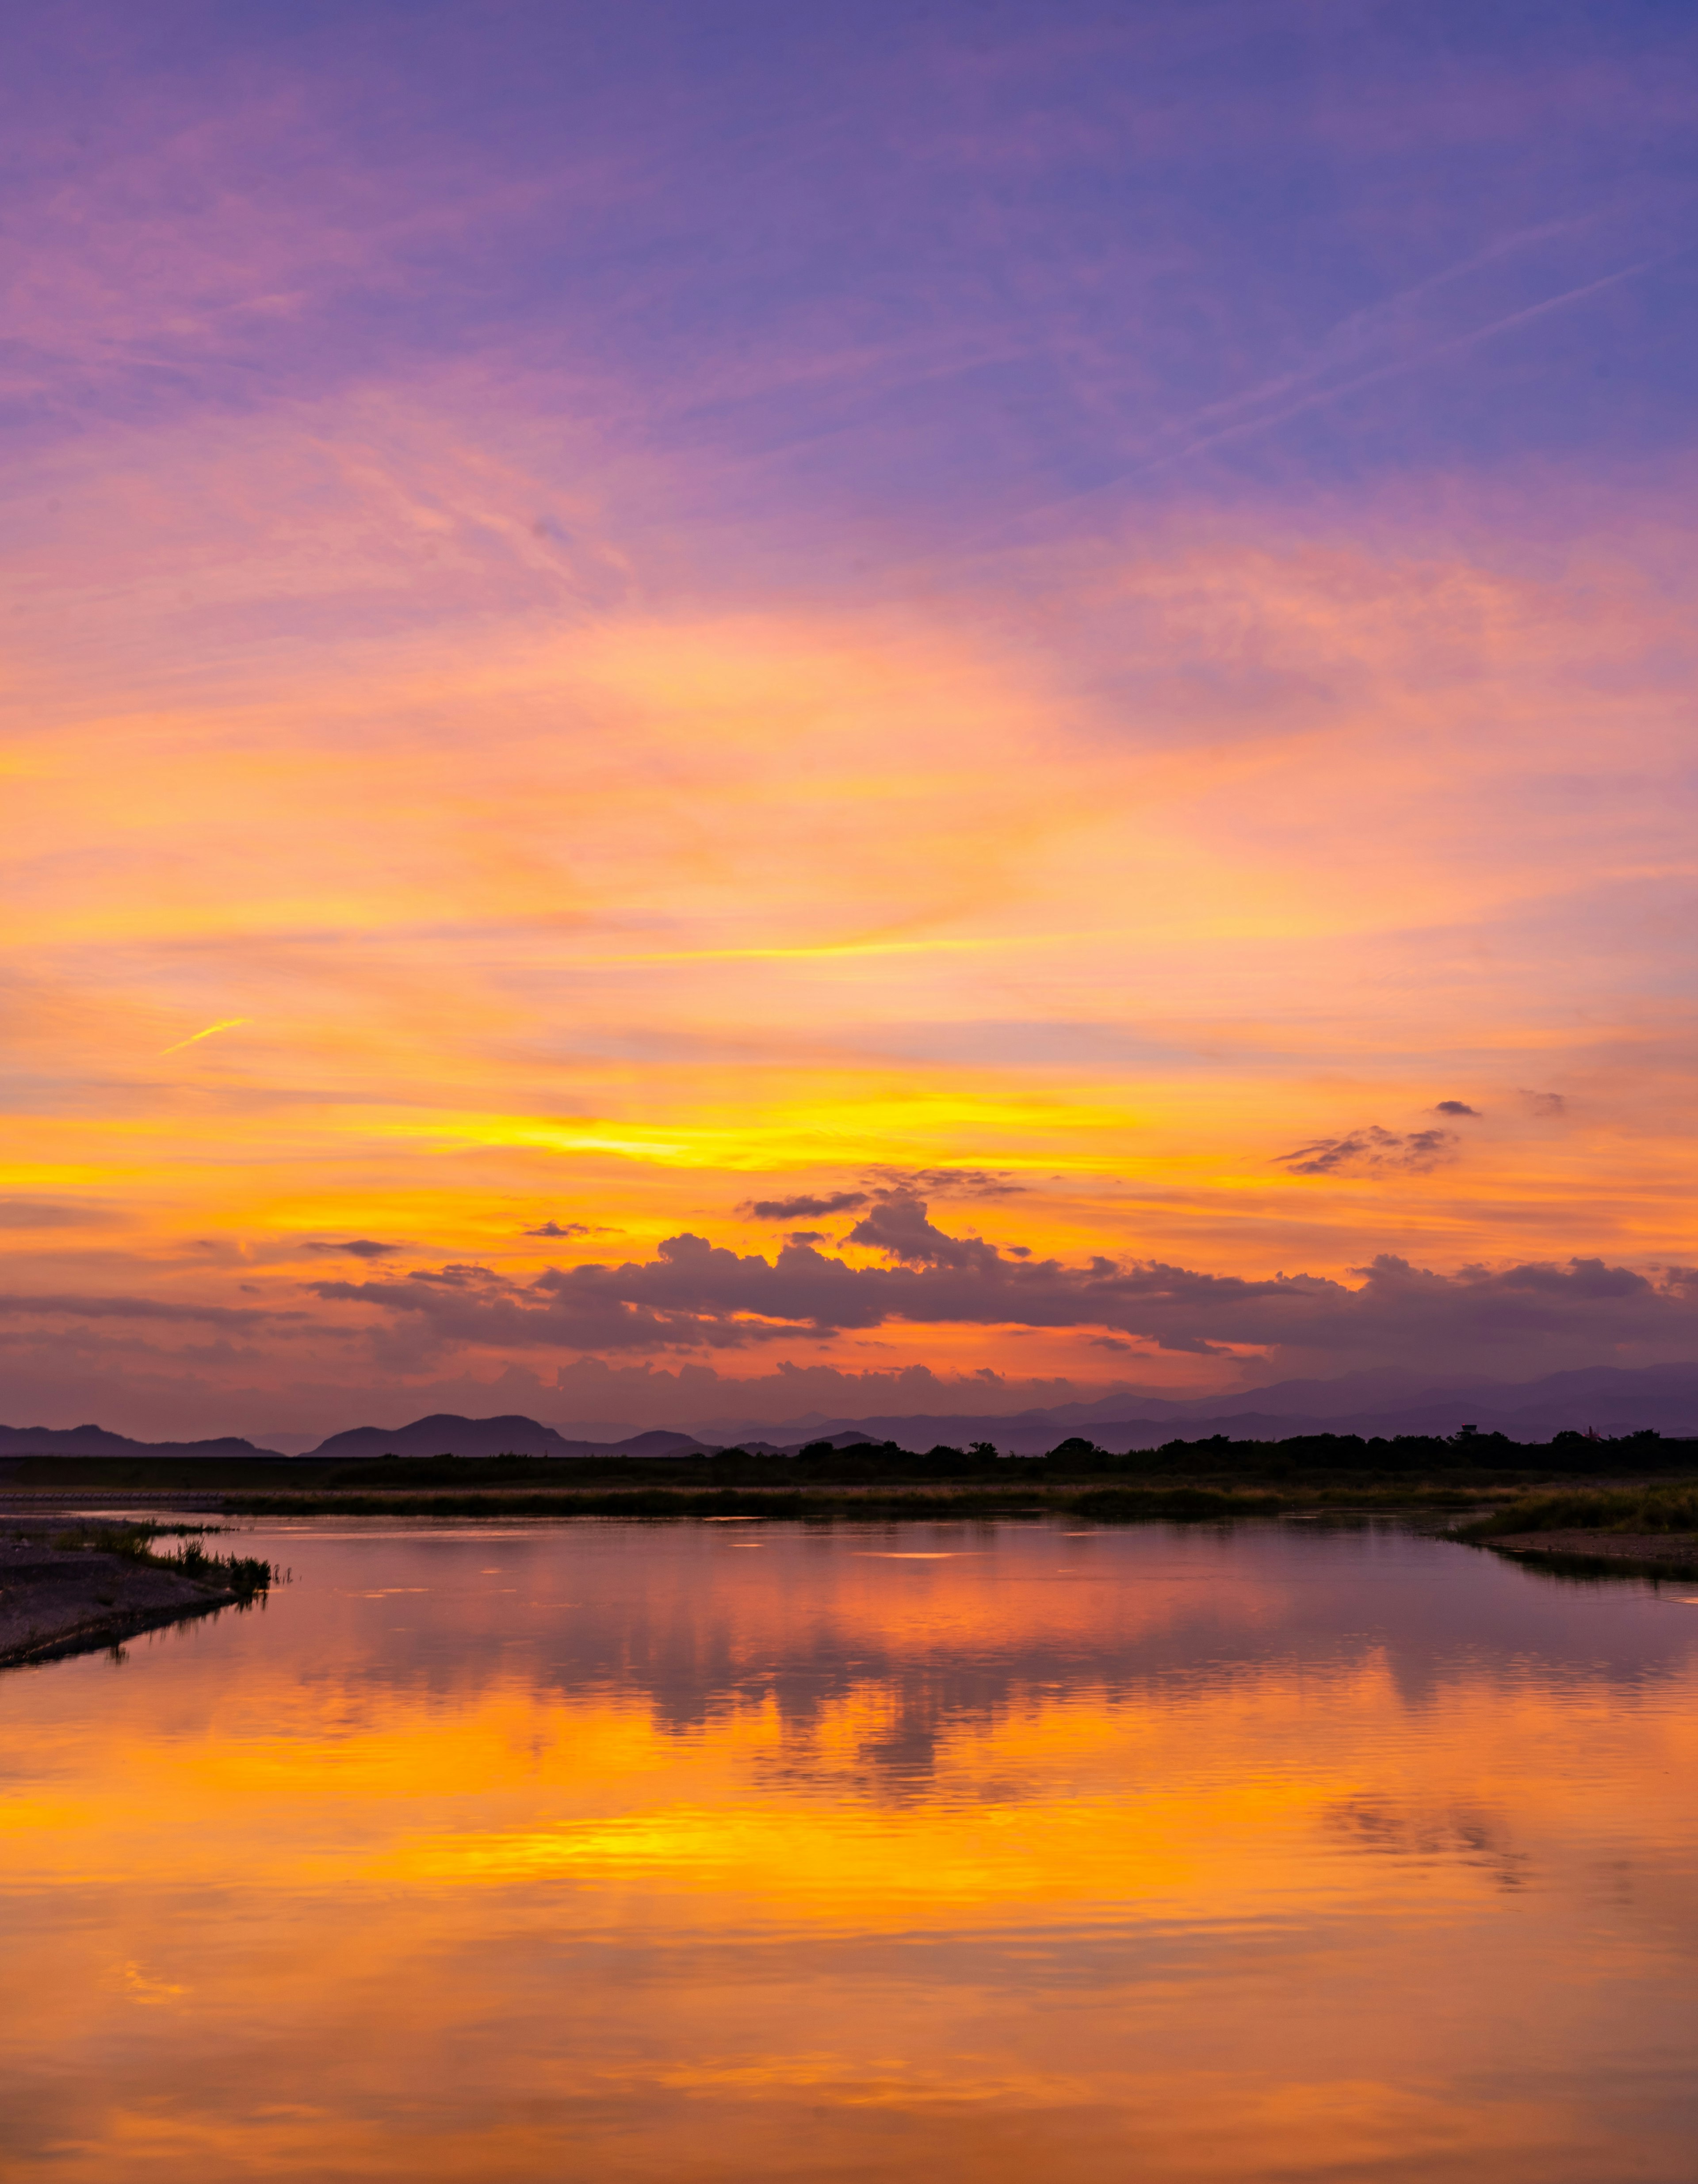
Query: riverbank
1660	1553
1650	1528
83	1589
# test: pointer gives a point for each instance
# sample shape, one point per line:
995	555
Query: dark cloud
360	1247
944	1182
571	1229
899	1226
803	1208
806	1236
884	1185
1544	1103
1367	1150
1455	1107
693	1295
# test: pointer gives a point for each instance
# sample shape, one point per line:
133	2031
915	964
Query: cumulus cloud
901	1227
1544	1103
1366	1150
803	1208
571	1229
695	1295
360	1247
1455	1107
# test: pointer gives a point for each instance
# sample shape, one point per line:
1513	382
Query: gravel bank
1674	1552
57	1599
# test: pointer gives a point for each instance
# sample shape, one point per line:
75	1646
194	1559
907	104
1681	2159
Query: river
672	1854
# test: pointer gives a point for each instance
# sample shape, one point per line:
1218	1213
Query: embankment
81	1590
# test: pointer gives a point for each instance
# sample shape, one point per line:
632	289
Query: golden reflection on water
604	1851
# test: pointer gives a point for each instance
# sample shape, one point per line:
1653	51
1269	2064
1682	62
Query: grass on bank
1633	1510
245	1575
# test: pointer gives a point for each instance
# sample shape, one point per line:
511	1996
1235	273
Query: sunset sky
734	709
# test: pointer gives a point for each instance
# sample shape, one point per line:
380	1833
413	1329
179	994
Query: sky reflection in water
611	1852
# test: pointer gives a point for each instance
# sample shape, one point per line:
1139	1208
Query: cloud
360	1247
803	1208
695	1393
949	1182
1544	1103
571	1228
1454	1107
65	1305
695	1295
45	1213
900	1227
1367	1150
225	1023
887	1184
806	1236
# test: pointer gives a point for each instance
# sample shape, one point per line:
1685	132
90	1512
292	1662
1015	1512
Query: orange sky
445	802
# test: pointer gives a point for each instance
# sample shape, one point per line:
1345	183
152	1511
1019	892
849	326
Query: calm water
947	1851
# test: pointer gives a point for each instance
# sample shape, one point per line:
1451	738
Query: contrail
1317	395
227	1023
1393	369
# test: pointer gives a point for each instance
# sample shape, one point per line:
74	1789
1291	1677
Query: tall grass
1593	1509
245	1575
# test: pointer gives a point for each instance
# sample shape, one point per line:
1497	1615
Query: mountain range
1608	1400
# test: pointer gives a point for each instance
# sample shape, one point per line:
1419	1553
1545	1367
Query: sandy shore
57	1599
1675	1552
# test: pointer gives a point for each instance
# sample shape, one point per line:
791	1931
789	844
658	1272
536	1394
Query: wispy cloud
1370	1148
225	1023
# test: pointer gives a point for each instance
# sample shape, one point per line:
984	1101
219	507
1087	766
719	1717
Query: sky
772	710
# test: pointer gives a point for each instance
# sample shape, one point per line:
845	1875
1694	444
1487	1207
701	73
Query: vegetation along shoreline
84	1587
1629	1502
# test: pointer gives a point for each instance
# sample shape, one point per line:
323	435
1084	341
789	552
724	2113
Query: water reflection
972	1852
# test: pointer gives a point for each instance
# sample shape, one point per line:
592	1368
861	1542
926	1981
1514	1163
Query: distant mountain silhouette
445	1434
95	1441
1611	1399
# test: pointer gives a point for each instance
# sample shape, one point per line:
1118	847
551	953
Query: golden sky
502	777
